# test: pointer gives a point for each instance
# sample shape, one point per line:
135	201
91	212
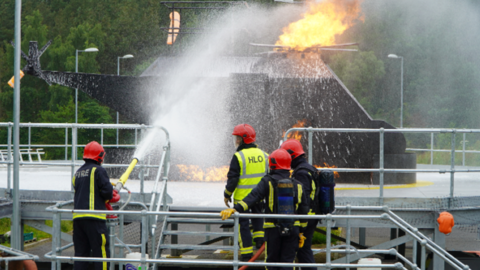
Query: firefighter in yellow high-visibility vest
247	167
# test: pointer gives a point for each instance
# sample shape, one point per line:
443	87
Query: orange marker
174	23
446	222
12	80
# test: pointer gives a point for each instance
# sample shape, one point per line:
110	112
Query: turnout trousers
280	249
305	254
90	239
245	239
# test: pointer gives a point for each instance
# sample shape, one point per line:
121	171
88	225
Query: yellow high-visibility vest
253	166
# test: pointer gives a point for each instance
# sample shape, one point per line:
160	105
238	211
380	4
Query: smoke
193	106
439	41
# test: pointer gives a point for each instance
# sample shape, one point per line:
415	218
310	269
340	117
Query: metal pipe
74	153
54	238
29	137
310	145
349	211
66	144
10	161
111	230
452	172
101	137
16	236
431	147
144	238
235	240
381	159
463	158
121	220
329	239
424	254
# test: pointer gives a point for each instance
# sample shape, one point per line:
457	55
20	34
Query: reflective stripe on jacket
92	188
253	166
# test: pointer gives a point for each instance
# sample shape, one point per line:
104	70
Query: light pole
401	86
76	71
118	73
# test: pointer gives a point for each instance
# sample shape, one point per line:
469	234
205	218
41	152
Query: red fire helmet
293	147
93	150
280	160
246	132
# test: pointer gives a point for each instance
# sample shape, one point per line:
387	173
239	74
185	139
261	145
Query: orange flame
320	24
196	173
326	166
297	135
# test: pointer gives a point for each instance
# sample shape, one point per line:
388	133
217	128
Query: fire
297	135
326	166
320	24
196	173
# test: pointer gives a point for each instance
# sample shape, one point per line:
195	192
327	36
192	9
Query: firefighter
92	190
247	167
282	236
303	173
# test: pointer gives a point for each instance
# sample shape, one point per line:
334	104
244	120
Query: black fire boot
245	257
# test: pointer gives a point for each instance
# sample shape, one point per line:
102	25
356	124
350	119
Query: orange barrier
174	23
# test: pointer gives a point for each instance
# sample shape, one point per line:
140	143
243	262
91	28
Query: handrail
387	214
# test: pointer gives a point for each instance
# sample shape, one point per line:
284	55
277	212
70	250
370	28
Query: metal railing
387	215
15	255
382	170
73	147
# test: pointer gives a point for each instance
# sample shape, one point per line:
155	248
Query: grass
66	226
319	238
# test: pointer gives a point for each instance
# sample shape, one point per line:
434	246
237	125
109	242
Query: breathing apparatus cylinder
123	179
285	205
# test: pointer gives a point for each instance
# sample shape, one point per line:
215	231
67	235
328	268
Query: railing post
10	161
101	135
54	238
381	159
66	144
431	149
329	240
414	248
452	168
74	152
424	253
144	237
121	220
310	145
111	234
349	212
463	159
29	137
174	240
235	240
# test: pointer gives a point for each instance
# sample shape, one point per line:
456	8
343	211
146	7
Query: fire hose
121	184
259	252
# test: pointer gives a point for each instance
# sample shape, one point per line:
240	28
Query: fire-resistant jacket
305	177
266	190
92	188
247	167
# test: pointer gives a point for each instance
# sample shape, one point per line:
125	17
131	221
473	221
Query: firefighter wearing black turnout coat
247	167
282	237
302	173
92	188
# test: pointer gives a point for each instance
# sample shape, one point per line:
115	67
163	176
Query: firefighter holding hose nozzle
93	191
283	195
247	167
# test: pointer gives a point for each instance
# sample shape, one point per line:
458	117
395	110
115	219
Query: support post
54	238
381	157
235	240
463	158
361	236
439	239
310	145
101	136
452	172
17	235
74	153
174	240
349	212
329	240
66	144
10	159
424	254
431	148
144	237
112	222
121	218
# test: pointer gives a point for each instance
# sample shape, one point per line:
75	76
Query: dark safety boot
245	257
259	243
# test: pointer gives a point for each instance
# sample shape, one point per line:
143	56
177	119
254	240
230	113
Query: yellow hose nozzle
123	179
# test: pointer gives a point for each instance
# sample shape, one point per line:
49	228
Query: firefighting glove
115	197
301	240
226	200
227	213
